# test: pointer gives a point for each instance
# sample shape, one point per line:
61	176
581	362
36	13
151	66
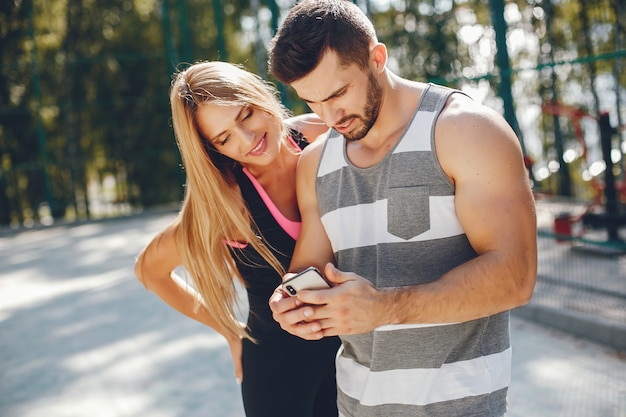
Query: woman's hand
236	347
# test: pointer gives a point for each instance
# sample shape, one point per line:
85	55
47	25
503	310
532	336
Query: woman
239	221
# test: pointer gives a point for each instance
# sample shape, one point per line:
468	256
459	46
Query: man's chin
355	136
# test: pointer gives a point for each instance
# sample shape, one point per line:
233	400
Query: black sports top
260	278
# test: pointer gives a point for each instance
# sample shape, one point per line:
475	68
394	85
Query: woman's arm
155	268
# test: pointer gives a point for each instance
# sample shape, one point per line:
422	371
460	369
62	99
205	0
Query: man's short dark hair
314	27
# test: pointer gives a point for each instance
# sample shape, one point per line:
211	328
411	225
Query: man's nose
327	113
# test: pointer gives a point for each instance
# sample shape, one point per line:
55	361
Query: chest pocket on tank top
408	211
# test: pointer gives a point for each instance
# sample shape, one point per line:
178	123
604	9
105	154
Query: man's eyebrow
216	137
332	95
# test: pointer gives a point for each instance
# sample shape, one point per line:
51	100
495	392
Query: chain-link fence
581	277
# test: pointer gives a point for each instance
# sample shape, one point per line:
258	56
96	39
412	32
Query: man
422	195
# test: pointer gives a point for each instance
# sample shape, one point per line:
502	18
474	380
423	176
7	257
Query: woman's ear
378	56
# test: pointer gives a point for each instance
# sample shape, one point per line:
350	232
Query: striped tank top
394	223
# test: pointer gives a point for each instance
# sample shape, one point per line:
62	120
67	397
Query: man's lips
345	126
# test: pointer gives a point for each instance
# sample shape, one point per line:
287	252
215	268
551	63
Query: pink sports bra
292	228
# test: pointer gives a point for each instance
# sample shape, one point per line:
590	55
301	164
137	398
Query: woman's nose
246	135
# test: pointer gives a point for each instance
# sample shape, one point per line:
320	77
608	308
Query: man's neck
399	103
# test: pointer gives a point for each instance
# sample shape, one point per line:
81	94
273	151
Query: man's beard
372	108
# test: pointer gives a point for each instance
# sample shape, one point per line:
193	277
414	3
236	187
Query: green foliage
100	100
422	40
84	112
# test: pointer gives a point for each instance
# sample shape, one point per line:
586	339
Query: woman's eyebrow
238	117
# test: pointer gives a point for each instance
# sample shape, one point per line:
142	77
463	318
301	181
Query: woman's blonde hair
212	214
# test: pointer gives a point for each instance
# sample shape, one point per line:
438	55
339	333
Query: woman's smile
259	148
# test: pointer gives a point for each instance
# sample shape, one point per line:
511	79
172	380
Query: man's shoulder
312	153
326	156
317	145
467	128
460	109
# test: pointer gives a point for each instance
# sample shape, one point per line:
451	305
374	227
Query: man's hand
352	306
289	312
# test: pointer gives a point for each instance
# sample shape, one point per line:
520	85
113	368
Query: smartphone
309	279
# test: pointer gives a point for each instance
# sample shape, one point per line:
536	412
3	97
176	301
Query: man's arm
495	206
312	246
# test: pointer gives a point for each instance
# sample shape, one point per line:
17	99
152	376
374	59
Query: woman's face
246	134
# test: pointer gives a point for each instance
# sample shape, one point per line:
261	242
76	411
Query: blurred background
87	146
85	128
85	131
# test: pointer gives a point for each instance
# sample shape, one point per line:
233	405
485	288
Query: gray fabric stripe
442	344
488	405
390	262
413	169
435	98
407	169
439	344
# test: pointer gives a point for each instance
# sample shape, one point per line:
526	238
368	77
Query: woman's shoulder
308	125
298	138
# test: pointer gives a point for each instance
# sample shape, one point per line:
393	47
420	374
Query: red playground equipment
606	209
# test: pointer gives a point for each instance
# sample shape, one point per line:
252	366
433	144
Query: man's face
346	98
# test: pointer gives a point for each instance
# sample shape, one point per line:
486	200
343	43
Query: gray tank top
395	224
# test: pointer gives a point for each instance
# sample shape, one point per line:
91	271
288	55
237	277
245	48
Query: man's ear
378	56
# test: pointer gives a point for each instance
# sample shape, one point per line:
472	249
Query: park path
79	336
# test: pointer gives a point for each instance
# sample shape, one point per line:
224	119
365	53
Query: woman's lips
260	147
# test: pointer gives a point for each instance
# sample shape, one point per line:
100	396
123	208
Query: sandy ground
79	336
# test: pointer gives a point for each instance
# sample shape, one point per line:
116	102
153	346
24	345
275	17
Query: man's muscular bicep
493	199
